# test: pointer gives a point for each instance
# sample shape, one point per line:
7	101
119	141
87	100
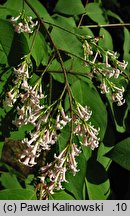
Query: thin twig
50	90
68	72
81	19
107	25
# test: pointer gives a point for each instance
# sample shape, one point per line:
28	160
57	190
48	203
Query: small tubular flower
23	23
62	119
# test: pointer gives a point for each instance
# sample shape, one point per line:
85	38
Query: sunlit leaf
95	12
20	134
9	181
61	195
98	192
17	194
106	40
97	182
70	7
121	153
68	41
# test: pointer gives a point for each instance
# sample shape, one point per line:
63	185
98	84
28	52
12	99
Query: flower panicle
54	174
83	128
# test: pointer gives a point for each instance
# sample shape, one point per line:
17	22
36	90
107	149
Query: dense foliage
64	99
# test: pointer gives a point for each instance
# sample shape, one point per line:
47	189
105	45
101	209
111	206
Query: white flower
28	157
117	96
123	64
12	96
54	174
104	88
84	112
62	119
23	23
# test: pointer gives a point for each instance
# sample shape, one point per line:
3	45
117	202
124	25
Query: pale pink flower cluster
116	92
54	174
21	76
39	140
30	111
108	71
117	95
42	137
87	132
62	119
23	23
110	68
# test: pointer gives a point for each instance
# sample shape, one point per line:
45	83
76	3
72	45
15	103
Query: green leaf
4	76
121	153
96	173
39	45
13	45
102	150
118	115
17	194
88	95
70	7
126	48
6	36
4	12
20	134
74	68
98	192
18	49
28	182
1	148
9	181
97	182
63	137
105	42
87	152
75	183
14	7
68	41
3	59
95	12
112	14
67	23
84	30
126	45
61	195
14	4
42	11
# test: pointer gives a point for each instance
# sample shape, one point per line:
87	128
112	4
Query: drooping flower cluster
21	76
85	130
62	119
54	174
49	120
23	23
106	71
38	141
30	110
